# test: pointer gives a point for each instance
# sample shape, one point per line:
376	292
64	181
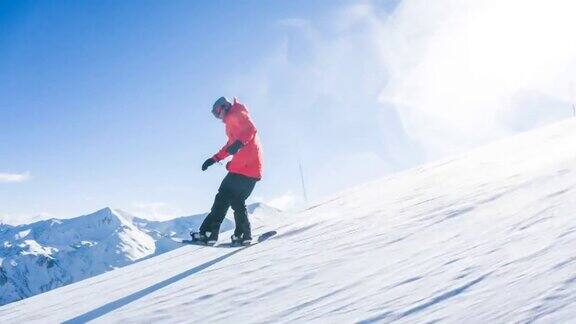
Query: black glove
234	148
208	163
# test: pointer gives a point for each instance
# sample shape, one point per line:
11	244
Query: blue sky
107	103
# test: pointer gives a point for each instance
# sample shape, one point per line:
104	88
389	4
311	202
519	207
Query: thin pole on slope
303	183
572	98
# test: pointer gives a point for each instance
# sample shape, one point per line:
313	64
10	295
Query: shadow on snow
114	305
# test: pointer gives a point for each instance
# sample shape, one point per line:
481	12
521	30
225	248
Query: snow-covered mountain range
485	237
44	255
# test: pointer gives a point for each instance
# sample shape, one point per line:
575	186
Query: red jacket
248	160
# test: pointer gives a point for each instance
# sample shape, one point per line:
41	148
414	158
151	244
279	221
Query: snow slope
41	256
488	236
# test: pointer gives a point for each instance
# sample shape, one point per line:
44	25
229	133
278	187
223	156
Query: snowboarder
244	170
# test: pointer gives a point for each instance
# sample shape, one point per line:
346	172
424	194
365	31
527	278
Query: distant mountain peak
106	211
105	216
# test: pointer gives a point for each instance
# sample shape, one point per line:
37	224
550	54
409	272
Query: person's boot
207	238
246	239
242	239
235	240
246	234
198	237
212	237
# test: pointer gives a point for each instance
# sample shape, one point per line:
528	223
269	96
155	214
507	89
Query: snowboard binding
203	238
241	240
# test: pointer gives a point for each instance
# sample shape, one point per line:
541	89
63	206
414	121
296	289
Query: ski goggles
217	111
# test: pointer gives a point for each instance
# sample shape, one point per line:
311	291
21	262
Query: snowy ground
489	236
38	257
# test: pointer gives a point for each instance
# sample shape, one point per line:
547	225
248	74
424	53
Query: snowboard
259	239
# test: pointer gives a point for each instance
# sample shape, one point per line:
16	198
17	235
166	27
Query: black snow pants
233	192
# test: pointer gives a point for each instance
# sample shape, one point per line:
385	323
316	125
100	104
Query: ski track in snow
485	237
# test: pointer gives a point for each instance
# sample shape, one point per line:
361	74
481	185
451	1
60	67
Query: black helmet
221	104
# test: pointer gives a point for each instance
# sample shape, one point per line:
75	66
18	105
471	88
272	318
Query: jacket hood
237	107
